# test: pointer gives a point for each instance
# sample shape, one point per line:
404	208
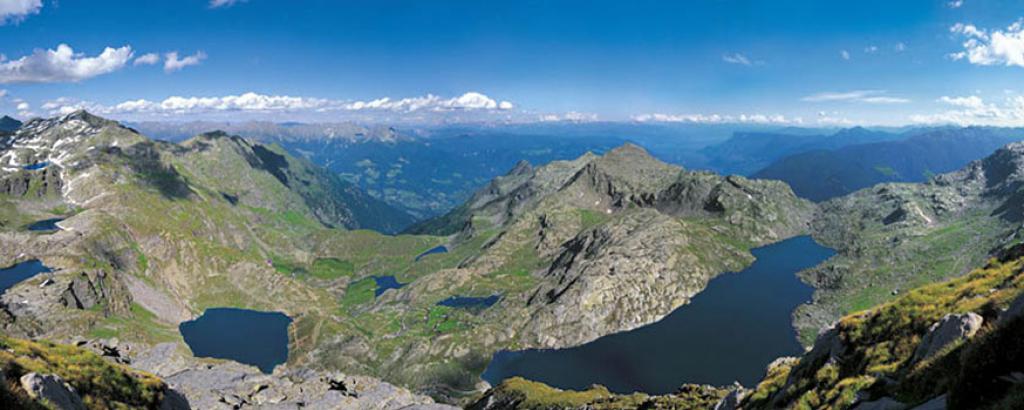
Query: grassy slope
101	384
881	342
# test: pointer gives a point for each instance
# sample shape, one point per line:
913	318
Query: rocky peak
522	167
8	124
1000	173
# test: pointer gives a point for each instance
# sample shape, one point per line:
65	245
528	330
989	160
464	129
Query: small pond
12	275
729	332
45	225
470	302
384	283
38	165
436	249
245	336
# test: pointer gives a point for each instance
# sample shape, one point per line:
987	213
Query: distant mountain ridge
8	124
747	152
823	174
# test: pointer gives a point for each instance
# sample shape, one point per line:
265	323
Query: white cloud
23	106
833	118
224	3
172	63
3	93
147	59
973	110
862	96
736	58
13	11
717	118
972	102
178	106
900	47
871	49
571	116
62	65
955	4
845	55
1000	47
467	101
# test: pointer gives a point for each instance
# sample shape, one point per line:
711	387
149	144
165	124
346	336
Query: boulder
52	390
950	329
732	400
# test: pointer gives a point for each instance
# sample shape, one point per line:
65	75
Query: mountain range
554	254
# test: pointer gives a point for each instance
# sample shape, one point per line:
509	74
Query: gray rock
1015	309
884	403
938	403
732	400
950	329
52	390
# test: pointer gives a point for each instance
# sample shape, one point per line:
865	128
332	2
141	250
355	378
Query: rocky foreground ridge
101	374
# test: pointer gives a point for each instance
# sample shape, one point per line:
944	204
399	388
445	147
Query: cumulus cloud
224	3
172	63
998	47
845	55
973	110
13	11
467	101
717	118
62	65
179	106
23	106
955	4
860	96
147	59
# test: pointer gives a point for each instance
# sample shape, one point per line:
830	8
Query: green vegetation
101	384
521	394
139	324
880	343
331	268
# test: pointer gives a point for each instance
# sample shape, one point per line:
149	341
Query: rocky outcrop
52	390
951	329
230	385
88	290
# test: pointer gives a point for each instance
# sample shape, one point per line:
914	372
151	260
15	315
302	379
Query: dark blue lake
245	336
729	332
384	283
436	249
470	302
10	276
45	225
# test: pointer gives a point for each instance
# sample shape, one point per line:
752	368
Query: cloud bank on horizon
954	62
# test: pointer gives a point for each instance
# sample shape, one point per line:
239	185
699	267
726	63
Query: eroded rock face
950	329
611	279
52	390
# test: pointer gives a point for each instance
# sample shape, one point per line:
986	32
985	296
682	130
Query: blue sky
805	62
